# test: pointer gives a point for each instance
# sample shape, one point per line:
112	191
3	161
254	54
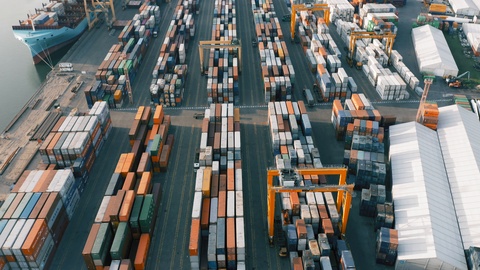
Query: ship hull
43	43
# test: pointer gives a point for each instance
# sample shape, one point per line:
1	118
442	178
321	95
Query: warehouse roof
424	212
432	51
459	135
464	7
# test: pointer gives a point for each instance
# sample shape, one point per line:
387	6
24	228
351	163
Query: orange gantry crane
344	192
308	7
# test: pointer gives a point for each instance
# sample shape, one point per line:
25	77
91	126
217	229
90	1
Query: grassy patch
463	62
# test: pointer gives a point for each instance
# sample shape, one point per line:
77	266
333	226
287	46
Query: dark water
19	78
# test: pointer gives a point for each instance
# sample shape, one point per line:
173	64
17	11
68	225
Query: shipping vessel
52	27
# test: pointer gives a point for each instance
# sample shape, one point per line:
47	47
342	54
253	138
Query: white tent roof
459	135
472	31
432	51
424	212
464	7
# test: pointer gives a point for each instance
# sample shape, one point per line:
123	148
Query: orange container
153	131
222	204
126	209
145	184
204	220
39	205
87	249
207	176
130	181
142	251
44	181
121	161
128	164
158	115
138	115
337	106
231	237
125	264
35	239
357	102
295	203
193	246
301	107
297	263
20	181
230	179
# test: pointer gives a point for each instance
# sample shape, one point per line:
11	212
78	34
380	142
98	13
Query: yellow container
117	96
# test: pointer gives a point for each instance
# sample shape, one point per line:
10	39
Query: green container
146	215
121	242
128	66
101	246
135	216
121	67
155	145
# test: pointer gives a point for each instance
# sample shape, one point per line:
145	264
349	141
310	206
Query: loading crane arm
344	196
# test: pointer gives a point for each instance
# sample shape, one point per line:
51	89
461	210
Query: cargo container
135	216
142	251
87	250
100	249
121	242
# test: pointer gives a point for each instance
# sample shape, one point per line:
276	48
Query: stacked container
126	217
310	219
123	59
157	142
429	115
222	72
371	197
217	214
384	216
340	9
386	247
358	107
170	71
277	69
75	141
397	61
35	216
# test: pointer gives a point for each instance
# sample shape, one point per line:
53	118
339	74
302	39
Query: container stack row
170	71
119	67
389	85
217	214
310	219
125	220
371	197
340	9
429	115
277	69
35	215
396	60
223	69
75	141
149	137
323	58
462	101
386	246
358	107
384	216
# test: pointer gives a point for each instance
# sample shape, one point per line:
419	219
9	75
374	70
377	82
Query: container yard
148	168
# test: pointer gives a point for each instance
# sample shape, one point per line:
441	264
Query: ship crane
97	7
344	192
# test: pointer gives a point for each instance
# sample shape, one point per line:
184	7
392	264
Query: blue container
30	205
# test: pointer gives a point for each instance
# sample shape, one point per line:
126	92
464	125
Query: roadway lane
69	252
250	80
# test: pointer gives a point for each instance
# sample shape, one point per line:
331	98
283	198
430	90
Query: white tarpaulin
464	7
472	31
428	232
432	51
